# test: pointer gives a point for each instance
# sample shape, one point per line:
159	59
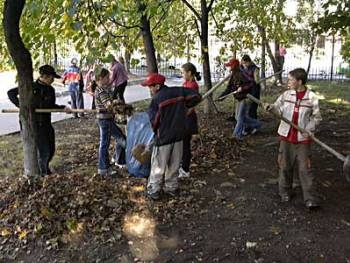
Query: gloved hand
142	153
267	106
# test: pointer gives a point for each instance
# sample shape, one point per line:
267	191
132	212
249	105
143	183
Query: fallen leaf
276	230
5	232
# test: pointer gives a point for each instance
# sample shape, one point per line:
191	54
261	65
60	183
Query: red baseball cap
153	79
232	63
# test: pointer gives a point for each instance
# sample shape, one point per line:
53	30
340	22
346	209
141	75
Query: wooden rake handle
322	144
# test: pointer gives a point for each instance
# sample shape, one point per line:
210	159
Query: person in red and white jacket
299	105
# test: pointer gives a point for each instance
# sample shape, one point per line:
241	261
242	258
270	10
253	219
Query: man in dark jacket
43	98
167	113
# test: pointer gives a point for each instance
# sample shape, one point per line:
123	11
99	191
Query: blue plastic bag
139	131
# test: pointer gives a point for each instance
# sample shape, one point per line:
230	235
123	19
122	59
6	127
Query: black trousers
186	153
118	92
253	111
45	141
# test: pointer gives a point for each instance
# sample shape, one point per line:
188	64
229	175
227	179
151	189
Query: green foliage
345	50
336	16
238	22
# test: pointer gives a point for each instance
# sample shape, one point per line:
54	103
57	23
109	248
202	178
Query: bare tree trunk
274	62
127	56
147	39
55	54
279	61
23	62
263	58
311	53
205	52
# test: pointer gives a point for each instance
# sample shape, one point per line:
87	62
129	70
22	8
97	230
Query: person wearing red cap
167	113
241	86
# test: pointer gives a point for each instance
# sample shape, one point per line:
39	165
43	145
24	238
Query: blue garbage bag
139	131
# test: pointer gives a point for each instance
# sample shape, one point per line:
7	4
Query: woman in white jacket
299	105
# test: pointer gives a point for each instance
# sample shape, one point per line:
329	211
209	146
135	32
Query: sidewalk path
9	122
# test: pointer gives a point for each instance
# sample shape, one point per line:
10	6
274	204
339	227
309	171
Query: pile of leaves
60	207
69	207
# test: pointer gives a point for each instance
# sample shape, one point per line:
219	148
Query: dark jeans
243	119
109	129
45	141
77	101
118	92
186	153
93	105
253	111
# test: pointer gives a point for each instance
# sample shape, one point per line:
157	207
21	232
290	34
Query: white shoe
120	166
183	174
254	131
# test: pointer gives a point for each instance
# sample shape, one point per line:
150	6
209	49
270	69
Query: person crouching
167	113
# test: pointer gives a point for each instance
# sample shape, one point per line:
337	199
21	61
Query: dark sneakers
154	196
174	193
285	198
310	204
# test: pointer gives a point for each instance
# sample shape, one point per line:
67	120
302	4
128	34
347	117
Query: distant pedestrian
90	84
167	113
119	79
252	72
299	105
73	77
43	98
190	76
106	123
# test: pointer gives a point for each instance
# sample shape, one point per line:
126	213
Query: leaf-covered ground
228	210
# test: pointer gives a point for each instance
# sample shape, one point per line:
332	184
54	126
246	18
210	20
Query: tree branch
210	6
19	53
122	25
194	11
197	27
100	19
163	15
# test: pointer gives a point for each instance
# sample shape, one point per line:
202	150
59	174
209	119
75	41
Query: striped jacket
309	112
167	113
103	95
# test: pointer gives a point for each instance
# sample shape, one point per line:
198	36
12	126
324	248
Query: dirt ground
227	211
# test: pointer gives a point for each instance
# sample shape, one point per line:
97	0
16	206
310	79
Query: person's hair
246	58
192	68
299	74
236	76
101	73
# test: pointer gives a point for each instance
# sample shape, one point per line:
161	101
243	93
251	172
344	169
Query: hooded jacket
167	113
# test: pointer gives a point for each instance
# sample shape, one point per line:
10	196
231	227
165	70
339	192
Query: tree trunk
274	62
205	53
188	49
127	56
23	62
311	53
279	61
263	58
55	54
147	39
